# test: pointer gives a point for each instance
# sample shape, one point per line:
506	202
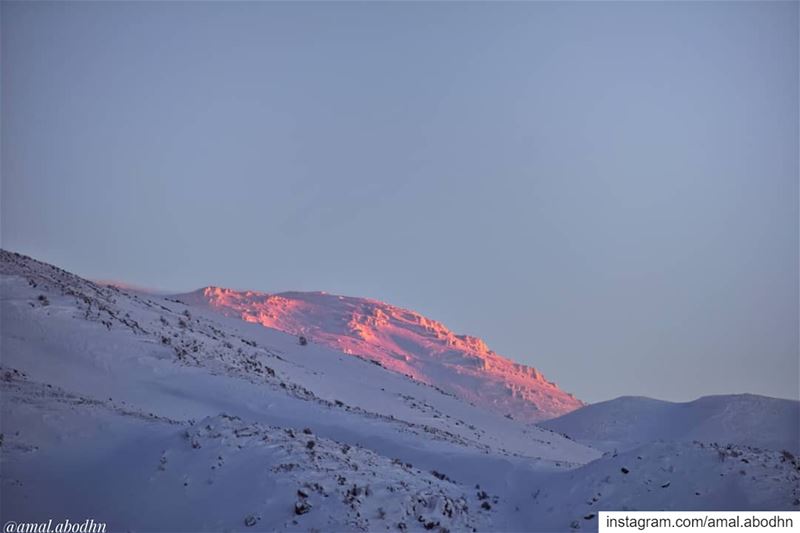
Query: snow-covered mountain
150	415
402	341
741	419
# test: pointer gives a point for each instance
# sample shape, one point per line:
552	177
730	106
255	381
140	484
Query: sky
605	191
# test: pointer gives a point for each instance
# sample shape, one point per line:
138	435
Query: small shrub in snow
439	475
302	340
302	507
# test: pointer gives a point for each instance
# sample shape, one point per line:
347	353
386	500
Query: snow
211	475
151	415
668	476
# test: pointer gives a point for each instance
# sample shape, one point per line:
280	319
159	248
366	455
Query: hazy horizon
605	191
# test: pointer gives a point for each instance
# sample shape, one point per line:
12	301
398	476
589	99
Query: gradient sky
606	191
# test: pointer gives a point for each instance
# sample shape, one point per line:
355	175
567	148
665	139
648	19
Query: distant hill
742	419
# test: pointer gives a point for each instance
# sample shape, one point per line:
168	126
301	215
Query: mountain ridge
401	340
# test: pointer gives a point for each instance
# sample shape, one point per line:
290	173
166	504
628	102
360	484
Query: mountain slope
218	474
402	341
741	419
96	380
141	412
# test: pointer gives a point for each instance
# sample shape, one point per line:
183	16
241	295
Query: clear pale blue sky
607	191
